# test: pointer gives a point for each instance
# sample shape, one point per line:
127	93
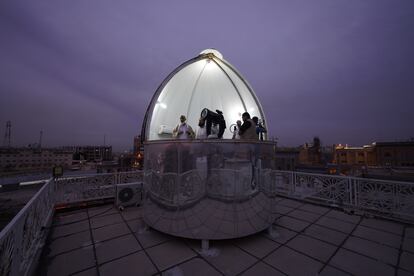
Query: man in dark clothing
248	128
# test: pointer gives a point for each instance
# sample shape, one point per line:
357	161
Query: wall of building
91	153
286	159
386	154
30	159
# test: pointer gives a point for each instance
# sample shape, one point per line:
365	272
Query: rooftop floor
308	239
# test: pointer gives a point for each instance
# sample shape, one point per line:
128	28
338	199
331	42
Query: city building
394	154
121	163
345	155
286	158
138	153
315	158
310	154
90	153
387	160
33	159
380	154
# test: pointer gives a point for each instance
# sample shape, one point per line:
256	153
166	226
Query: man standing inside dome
248	128
183	130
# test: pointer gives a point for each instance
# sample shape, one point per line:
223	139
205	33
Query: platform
307	240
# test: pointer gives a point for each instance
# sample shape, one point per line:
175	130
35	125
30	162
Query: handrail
21	239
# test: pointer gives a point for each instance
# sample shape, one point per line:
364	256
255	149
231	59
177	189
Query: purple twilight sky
79	69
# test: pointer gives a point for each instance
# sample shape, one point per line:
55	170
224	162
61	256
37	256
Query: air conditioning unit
129	194
165	130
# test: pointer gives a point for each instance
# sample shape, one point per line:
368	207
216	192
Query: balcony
325	225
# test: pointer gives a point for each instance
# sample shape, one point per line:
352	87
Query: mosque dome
206	81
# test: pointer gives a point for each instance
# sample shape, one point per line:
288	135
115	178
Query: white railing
393	199
15	179
71	190
22	239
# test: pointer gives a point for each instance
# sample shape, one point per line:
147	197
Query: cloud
82	69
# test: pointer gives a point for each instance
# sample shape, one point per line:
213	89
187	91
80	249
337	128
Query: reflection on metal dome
206	81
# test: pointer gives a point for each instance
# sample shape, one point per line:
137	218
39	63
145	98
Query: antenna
7	135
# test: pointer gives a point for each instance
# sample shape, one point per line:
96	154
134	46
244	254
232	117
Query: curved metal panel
209	190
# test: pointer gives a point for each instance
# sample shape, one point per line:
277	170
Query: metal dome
206	81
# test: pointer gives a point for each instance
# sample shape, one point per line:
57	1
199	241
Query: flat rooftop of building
307	239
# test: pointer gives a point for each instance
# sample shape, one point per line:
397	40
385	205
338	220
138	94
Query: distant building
311	154
138	153
378	159
380	154
314	158
33	159
354	156
122	163
394	154
91	153
138	144
286	158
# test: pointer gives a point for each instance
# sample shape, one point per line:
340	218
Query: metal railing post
350	191
396	201
355	191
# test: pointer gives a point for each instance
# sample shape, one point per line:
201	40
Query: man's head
255	120
245	116
182	118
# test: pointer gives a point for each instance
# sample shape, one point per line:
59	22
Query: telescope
212	117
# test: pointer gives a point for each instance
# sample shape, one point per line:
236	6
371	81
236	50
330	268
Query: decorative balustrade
22	239
69	190
392	199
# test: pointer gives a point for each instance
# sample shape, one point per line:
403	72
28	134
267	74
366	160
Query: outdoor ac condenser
129	194
165	130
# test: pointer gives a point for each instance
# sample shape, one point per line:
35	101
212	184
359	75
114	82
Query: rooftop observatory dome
206	81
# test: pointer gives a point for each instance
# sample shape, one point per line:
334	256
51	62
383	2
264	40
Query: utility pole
7	135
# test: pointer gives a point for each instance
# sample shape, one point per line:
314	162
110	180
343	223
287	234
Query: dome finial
212	51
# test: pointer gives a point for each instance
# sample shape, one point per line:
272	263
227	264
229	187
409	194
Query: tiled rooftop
307	240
